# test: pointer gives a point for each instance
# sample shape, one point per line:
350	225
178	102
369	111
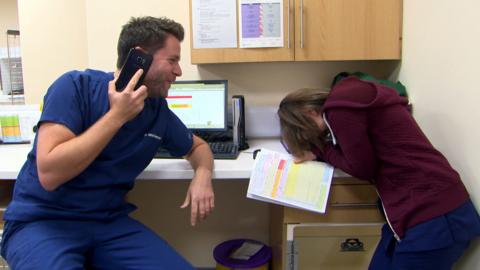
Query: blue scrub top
77	100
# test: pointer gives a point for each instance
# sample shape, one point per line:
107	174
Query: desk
13	156
161	191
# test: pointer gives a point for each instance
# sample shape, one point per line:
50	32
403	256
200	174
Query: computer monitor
201	104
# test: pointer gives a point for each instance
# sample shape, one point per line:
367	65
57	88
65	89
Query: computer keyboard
220	150
224	150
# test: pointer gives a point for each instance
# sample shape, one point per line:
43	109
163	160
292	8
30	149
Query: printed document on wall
277	179
214	24
260	23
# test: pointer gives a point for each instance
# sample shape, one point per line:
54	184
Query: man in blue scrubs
68	209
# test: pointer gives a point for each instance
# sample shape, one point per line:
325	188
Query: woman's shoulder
353	90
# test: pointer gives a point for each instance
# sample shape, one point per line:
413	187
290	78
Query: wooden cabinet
298	237
347	29
6	191
325	30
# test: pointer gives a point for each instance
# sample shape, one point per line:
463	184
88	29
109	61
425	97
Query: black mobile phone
136	59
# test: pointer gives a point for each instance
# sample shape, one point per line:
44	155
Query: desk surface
12	158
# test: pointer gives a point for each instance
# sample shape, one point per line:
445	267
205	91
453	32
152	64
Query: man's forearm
201	159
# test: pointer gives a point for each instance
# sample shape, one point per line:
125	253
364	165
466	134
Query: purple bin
259	260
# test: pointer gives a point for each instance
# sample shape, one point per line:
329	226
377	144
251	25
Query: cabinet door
237	55
335	246
347	29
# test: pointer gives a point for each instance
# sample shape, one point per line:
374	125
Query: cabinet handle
301	24
288	23
351	244
348	205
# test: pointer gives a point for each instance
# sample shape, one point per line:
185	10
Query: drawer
335	246
349	201
334	214
344	195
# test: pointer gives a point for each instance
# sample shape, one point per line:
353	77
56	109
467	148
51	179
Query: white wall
441	41
8	19
53	34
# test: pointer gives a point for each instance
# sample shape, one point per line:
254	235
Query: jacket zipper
388	221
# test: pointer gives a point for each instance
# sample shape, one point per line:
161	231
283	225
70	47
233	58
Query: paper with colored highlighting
260	23
275	178
17	122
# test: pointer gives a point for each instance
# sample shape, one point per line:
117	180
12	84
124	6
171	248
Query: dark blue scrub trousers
123	243
432	245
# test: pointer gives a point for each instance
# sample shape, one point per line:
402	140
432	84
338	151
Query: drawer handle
346	205
351	244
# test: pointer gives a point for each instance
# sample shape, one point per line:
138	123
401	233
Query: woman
366	130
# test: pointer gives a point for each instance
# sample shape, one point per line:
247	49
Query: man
68	209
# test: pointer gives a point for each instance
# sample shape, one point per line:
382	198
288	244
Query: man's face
165	68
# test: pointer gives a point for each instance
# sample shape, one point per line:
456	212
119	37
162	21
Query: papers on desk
277	179
17	122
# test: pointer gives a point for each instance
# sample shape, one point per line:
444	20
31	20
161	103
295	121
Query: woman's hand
306	156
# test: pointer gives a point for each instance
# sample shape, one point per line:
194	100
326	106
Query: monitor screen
201	105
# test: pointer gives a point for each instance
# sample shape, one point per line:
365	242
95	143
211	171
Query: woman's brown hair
299	132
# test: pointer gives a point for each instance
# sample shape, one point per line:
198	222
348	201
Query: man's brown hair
148	33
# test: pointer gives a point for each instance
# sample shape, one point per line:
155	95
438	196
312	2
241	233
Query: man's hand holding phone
127	104
126	92
136	59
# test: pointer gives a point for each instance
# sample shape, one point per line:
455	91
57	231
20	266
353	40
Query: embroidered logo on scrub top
153	136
